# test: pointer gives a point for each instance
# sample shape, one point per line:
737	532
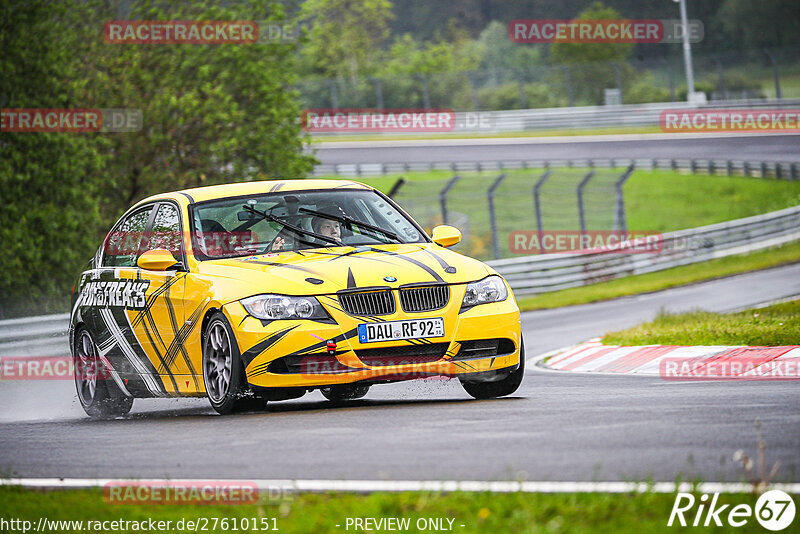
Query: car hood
325	271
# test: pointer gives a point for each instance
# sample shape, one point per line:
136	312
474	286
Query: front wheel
498	388
223	371
98	397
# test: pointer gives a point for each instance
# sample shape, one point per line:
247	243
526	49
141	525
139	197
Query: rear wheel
344	392
498	388
99	397
223	371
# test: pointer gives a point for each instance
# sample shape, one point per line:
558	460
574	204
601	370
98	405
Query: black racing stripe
274	264
187	195
412	260
118	315
250	354
182	336
341	337
351	280
276	187
158	352
261	368
152	298
174	323
446	266
354	252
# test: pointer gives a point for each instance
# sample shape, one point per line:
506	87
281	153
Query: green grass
319	513
772	326
658	200
677	276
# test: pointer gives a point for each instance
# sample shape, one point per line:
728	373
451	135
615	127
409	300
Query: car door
161	326
118	299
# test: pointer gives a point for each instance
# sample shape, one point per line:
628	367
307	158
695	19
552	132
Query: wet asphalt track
784	148
559	426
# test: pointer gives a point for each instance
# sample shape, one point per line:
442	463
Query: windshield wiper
346	219
290	226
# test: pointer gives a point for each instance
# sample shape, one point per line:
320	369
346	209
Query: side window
122	245
166	232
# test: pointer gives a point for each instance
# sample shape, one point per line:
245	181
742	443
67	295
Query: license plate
407	329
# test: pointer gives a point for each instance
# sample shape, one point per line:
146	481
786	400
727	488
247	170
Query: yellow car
260	291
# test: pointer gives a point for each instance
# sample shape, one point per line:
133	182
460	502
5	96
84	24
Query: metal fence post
620	221
443	196
618	74
426	95
721	74
396	187
378	91
538	207
523	100
473	85
568	81
771	57
671	78
492	215
581	210
334	94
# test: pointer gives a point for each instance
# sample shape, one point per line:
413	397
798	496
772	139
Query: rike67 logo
774	510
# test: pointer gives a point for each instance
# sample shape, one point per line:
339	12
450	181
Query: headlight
284	307
490	289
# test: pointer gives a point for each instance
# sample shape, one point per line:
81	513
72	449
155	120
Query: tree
760	24
212	113
49	219
346	37
593	67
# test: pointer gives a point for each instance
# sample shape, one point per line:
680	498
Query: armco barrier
583	118
551	272
46	335
785	170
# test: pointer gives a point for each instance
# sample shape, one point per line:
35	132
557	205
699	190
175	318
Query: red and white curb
687	361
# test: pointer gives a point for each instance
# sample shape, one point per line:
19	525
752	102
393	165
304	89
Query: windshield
298	220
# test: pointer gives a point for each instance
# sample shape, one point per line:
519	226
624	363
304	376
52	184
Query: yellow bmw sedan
259	291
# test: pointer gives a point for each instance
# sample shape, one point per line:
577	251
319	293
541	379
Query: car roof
213	192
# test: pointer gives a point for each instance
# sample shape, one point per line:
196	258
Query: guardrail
579	118
551	272
786	170
43	335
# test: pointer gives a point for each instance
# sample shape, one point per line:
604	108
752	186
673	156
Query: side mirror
156	260
446	236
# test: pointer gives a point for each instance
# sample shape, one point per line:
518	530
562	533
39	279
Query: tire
99	397
344	392
498	388
223	371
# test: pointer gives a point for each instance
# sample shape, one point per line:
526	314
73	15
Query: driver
320	225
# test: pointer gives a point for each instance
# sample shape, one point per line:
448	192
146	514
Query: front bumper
295	353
